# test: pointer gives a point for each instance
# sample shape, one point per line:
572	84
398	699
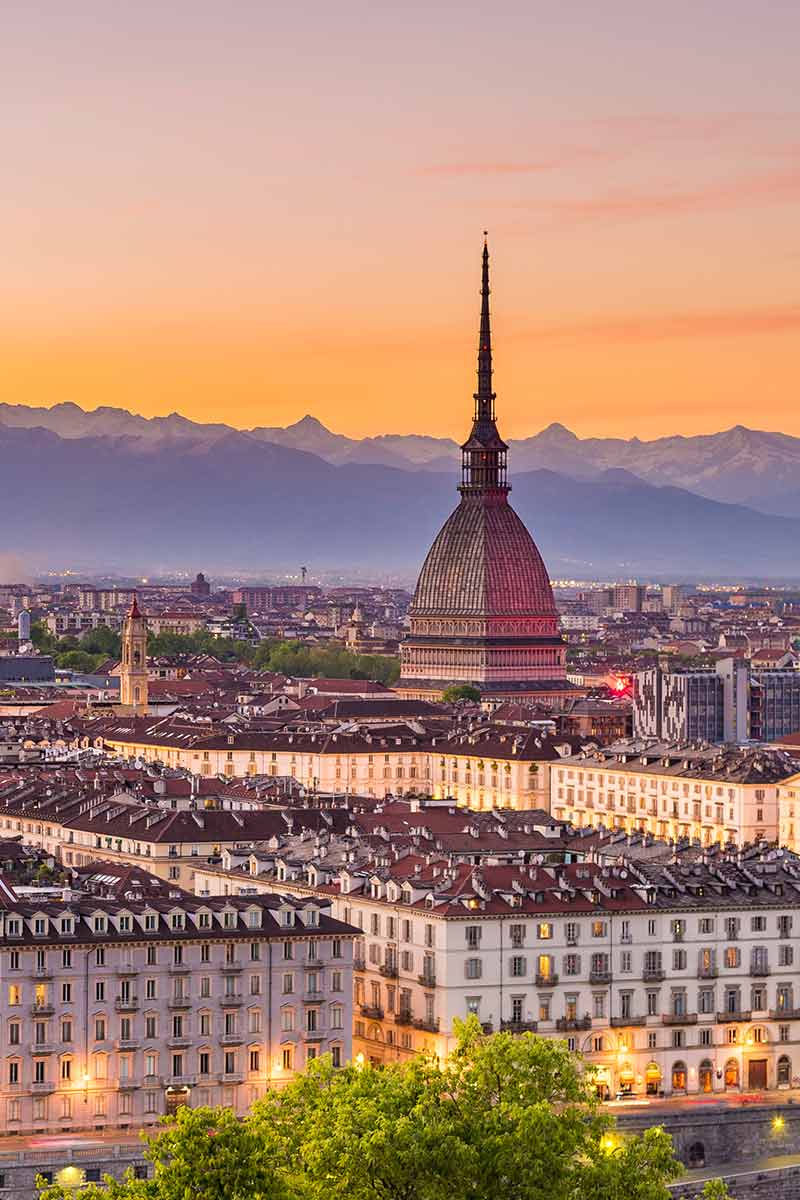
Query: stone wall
783	1183
719	1136
73	1167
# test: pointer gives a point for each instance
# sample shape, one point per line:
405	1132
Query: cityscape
400	618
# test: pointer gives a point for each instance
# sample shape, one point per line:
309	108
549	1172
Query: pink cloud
755	322
777	187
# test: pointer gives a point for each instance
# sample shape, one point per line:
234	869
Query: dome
483	563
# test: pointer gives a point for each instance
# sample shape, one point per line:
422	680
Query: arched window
784	1071
731	1073
706	1075
679	1077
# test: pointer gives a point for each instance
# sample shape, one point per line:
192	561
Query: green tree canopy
505	1118
461	691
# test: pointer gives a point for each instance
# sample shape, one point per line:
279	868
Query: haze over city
252	212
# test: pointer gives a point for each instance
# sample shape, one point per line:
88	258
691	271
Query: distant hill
739	465
227	499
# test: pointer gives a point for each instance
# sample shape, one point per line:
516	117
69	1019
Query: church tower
483	612
133	671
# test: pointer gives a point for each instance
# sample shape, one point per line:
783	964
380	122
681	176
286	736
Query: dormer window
204	920
312	916
67	925
254	920
39	926
150	922
228	920
177	921
100	924
287	917
124	924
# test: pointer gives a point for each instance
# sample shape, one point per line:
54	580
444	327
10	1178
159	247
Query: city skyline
194	226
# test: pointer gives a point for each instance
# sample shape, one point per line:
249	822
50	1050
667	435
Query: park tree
461	691
506	1117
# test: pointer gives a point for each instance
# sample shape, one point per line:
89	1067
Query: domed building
483	611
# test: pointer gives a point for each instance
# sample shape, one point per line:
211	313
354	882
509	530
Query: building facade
114	1012
670	980
731	702
710	795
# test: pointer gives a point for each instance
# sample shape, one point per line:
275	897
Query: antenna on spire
484	397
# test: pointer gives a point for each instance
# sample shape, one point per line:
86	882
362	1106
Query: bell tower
133	671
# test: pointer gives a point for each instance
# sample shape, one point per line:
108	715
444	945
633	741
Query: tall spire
483	455
484	397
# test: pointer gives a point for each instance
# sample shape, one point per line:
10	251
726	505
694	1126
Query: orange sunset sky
248	211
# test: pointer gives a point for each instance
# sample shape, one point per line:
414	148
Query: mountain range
109	487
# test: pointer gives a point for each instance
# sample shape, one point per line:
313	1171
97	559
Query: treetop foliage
506	1117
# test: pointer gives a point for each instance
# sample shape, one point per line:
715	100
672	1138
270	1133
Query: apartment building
673	790
492	766
75	816
670	977
117	1008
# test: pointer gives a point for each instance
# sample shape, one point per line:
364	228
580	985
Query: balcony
679	1019
427	981
431	1026
372	1012
627	1022
545	981
600	977
153	1081
42	1048
127	1083
519	1026
389	970
126	1004
231	1039
759	969
707	972
178	1081
179	1043
43	1088
359	964
234	967
179	1002
313	998
784	1014
127	1044
653	974
180	969
42	973
42	1008
127	968
231	1000
728	1018
314	1035
403	1017
232	1077
573	1024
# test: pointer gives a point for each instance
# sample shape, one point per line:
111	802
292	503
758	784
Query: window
473	968
599	929
544	930
517	966
473	936
287	1058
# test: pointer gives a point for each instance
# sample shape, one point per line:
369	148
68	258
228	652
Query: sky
250	211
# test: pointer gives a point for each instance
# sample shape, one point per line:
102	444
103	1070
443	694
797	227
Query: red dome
483	563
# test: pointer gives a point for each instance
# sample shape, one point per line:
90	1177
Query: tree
42	638
461	691
79	660
506	1117
206	1154
102	641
